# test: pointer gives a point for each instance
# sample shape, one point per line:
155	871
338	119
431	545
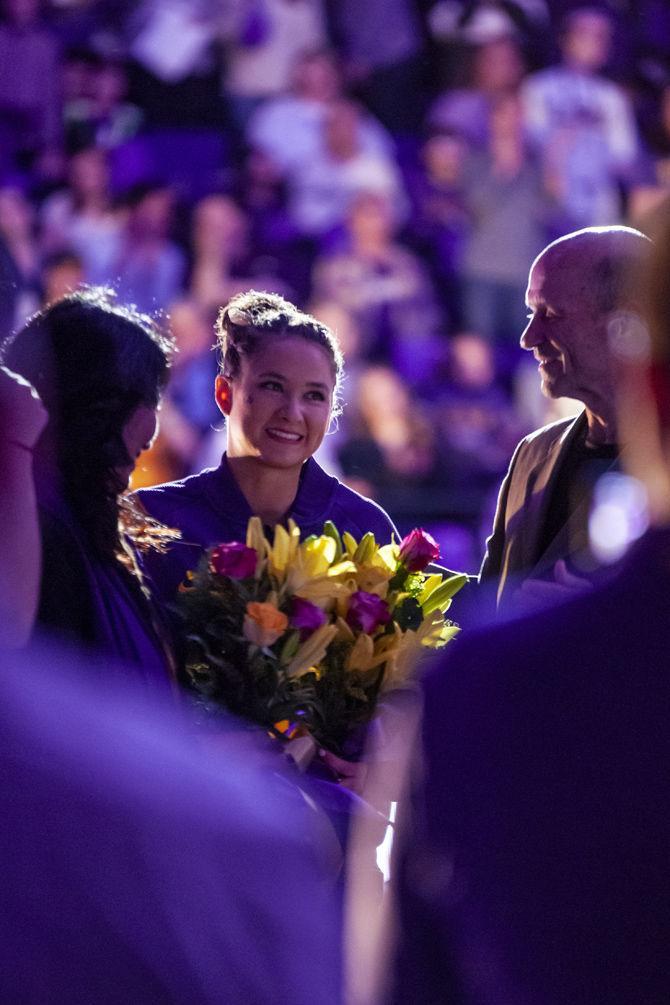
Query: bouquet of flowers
302	636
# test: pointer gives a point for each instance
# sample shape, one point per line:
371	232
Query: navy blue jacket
209	508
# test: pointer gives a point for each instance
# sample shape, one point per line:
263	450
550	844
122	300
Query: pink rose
418	550
367	612
306	616
234	560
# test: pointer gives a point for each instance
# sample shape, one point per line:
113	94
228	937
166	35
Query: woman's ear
223	394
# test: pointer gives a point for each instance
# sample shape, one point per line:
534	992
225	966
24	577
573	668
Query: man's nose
530	336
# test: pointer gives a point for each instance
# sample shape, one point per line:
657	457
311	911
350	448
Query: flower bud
418	550
234	560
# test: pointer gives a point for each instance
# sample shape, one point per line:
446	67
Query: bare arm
23	419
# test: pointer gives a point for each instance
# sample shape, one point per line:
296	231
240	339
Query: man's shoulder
540	439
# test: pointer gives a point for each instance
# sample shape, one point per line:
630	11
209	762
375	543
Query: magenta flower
306	616
234	560
418	550
367	612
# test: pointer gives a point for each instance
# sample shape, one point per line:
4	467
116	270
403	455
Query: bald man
532	864
539	546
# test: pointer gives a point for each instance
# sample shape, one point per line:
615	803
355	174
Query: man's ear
223	394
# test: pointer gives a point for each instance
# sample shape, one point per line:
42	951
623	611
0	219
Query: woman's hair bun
239	317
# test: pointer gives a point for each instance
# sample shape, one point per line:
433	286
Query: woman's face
137	435
279	406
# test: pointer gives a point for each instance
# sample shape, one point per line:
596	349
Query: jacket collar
311	504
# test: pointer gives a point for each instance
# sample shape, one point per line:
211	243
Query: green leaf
365	549
330	530
290	647
441	596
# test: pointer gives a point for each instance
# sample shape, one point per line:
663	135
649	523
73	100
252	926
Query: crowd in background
392	166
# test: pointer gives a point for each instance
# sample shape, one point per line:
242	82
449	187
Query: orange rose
263	623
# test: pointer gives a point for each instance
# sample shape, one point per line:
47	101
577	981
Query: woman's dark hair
93	362
252	318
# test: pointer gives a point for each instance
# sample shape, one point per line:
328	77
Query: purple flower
418	550
306	616
367	612
234	560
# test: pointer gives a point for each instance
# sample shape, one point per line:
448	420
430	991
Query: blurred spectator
62	273
81	216
474	416
658	136
382	45
145	266
76	70
174	76
223	260
439	222
322	188
188	410
343	324
264	38
652	187
385	287
262	195
459	27
392	452
19	259
30	89
583	123
100	114
497	70
191	388
510	212
289	128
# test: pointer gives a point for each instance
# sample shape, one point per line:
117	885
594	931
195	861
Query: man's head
574	286
587	39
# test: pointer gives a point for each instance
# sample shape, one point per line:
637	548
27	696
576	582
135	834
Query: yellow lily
410	646
282	554
361	653
313	570
317	555
388	554
366	654
344	632
373	579
324	592
256	540
350	544
311	651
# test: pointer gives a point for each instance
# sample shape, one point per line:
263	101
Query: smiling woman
280	372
